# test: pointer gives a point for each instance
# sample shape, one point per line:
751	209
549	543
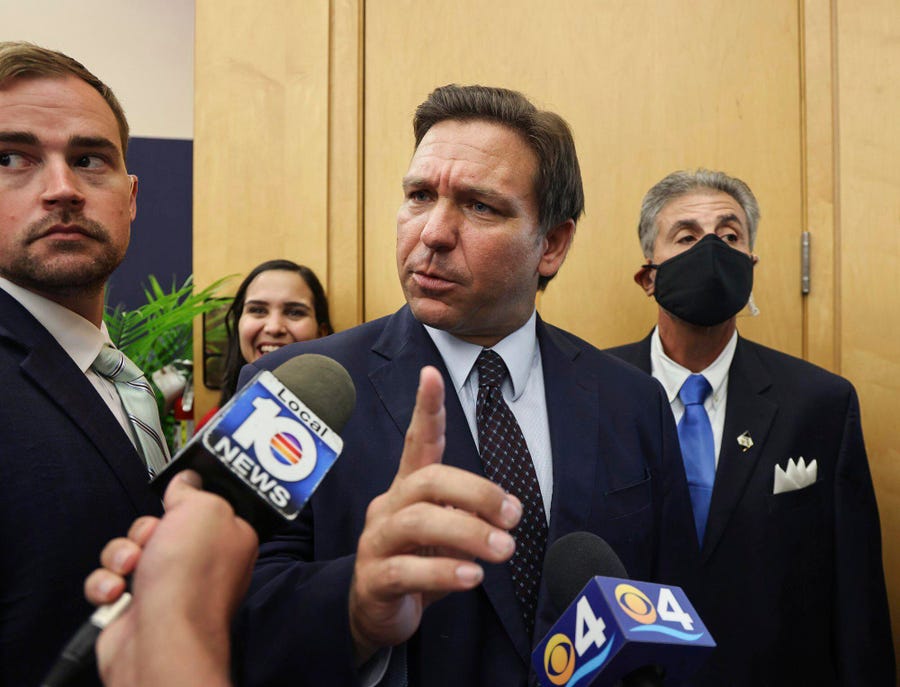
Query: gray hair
682	182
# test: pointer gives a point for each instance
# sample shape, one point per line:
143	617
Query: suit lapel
747	410
572	408
403	348
51	369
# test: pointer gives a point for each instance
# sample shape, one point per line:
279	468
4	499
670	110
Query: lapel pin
744	441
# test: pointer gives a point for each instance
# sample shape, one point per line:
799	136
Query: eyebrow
28	138
484	191
94	142
21	137
257	301
720	221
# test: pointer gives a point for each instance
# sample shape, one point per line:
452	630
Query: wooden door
868	256
648	88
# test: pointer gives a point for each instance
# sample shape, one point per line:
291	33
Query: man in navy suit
401	563
789	579
72	479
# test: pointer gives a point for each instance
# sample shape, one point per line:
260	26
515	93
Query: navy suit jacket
617	472
791	586
71	481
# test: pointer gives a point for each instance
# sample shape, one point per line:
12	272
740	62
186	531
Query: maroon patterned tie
507	462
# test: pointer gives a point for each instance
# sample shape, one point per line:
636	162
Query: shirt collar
517	350
672	375
78	337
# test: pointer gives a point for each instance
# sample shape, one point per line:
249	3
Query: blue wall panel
162	232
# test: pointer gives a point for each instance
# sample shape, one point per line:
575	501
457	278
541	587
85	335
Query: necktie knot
491	368
112	364
694	390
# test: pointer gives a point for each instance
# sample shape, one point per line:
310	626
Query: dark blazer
791	586
71	481
617	473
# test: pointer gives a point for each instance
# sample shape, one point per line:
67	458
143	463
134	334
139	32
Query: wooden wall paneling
260	139
868	54
821	307
648	88
345	165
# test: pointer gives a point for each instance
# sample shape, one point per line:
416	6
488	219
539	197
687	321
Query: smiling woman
278	303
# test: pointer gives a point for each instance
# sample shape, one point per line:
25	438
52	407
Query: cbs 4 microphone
614	632
264	452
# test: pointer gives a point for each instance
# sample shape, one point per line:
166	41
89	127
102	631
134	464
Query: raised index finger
424	444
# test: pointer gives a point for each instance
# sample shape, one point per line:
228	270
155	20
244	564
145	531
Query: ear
646	278
133	200
755	258
556	242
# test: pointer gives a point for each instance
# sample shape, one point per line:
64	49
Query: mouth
66	232
432	282
268	348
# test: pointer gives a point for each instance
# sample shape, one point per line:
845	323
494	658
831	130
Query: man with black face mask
789	576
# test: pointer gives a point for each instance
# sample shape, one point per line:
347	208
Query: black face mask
707	284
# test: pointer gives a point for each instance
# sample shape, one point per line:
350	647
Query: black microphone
613	631
264	452
571	562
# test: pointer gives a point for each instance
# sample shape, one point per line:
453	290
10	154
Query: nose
274	325
62	187
441	229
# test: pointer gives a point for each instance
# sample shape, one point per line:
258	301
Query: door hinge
804	262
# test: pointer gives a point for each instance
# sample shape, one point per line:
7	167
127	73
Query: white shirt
523	390
672	376
80	339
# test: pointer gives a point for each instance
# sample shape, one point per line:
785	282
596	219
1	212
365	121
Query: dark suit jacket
791	586
616	470
71	481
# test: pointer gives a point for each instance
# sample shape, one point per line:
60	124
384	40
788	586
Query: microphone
268	448
264	452
613	631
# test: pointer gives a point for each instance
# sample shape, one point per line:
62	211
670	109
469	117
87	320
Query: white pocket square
797	475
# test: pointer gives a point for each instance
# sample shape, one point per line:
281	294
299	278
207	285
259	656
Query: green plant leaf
161	330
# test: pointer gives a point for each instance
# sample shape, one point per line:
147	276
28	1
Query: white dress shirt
672	376
80	339
523	390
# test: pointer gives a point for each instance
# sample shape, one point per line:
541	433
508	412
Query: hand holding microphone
264	453
190	570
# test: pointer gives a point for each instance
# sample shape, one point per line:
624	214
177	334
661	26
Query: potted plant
160	333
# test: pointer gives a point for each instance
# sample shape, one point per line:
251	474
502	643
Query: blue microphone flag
615	626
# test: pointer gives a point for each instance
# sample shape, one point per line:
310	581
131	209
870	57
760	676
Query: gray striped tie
139	403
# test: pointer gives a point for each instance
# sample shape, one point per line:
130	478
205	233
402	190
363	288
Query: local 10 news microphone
264	452
614	632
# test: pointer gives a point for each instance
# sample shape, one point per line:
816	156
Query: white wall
142	49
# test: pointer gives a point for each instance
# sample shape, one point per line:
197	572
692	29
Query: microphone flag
265	452
615	626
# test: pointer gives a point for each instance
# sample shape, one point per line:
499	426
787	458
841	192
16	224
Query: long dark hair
234	361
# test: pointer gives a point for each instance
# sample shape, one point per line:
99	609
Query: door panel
647	88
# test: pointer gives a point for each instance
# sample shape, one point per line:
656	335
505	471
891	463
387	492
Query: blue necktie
697	448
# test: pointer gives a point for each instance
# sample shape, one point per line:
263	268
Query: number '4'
670	610
588	627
